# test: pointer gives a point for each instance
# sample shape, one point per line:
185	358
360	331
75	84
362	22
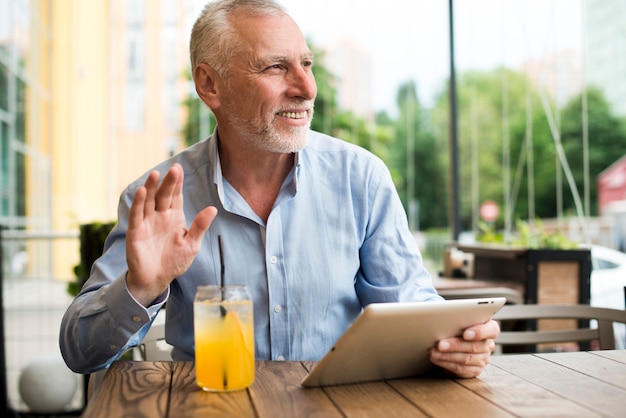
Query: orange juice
224	340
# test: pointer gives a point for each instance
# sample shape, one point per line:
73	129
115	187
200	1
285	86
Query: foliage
484	132
200	120
344	124
326	101
419	161
526	236
506	150
607	141
92	237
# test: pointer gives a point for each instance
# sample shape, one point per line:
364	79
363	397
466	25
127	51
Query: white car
608	283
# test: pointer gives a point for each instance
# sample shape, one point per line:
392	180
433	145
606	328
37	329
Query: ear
208	84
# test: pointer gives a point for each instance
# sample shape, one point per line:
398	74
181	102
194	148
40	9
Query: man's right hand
159	247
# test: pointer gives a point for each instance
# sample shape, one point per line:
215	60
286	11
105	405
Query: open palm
159	247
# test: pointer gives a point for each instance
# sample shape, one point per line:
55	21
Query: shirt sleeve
105	303
392	268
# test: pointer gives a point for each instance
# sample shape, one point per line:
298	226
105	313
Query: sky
409	39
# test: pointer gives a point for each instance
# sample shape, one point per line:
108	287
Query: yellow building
90	98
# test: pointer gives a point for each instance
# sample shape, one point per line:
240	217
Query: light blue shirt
337	239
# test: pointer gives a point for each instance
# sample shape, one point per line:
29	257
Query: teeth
293	115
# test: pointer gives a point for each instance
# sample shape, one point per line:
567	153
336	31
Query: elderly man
311	224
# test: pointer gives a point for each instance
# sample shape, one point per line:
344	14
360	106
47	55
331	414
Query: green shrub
92	237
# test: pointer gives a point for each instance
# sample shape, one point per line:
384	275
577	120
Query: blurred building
612	199
559	73
91	97
352	66
605	61
612	186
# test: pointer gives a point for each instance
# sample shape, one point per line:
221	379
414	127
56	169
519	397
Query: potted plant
92	237
551	267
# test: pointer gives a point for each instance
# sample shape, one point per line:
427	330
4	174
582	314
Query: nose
302	83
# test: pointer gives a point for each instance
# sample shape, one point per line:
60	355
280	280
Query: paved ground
32	314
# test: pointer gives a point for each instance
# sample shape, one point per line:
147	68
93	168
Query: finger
461	364
150	186
458	345
177	198
488	330
460	370
202	222
135	215
165	192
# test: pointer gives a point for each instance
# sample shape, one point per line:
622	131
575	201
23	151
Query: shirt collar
218	179
214	157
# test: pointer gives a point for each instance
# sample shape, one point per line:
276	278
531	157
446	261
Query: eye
275	67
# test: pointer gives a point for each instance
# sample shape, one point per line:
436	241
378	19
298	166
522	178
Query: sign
489	211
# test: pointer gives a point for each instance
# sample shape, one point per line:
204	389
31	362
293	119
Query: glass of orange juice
224	338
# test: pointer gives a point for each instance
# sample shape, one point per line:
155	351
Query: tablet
391	340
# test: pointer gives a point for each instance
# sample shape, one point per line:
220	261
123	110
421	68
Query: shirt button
113	347
273	259
281	358
278	308
136	318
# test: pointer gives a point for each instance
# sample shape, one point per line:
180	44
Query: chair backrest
153	346
600	328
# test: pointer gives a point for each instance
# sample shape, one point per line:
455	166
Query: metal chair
594	324
153	346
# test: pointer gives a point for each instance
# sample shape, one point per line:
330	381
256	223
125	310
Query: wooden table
574	384
456	288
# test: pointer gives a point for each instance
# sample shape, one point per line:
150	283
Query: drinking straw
219	243
222	268
222	309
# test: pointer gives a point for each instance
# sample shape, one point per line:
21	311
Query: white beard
267	138
294	141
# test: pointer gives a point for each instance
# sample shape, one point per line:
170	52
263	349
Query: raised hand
159	247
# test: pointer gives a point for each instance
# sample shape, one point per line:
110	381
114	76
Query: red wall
612	184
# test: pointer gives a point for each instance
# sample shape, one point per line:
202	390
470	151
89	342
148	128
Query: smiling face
268	95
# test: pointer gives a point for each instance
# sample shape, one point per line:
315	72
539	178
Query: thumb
202	222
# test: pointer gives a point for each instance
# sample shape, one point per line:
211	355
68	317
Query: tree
503	127
200	120
416	160
607	142
341	123
326	100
